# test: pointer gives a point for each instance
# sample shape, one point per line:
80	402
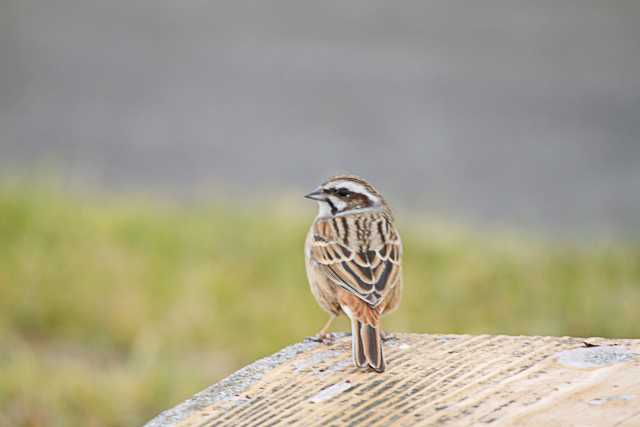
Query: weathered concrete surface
454	380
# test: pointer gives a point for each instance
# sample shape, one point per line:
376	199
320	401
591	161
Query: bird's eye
343	192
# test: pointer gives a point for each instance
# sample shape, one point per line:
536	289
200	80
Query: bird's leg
326	326
323	336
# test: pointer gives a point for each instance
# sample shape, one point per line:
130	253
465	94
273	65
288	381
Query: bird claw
388	337
327	339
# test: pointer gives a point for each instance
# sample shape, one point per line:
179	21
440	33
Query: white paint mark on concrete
331	391
603	400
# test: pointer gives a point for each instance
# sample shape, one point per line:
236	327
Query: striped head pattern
347	194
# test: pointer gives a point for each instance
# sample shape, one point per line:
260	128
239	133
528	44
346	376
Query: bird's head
346	194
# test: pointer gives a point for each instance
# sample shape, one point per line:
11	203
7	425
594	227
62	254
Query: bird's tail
366	344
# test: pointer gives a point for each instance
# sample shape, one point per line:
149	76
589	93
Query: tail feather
359	357
367	346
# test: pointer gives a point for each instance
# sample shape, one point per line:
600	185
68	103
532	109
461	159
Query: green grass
113	310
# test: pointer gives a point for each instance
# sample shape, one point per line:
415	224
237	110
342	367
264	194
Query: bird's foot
323	338
386	336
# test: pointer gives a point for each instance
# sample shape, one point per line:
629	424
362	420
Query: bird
353	255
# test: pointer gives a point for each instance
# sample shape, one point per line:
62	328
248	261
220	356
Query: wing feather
367	267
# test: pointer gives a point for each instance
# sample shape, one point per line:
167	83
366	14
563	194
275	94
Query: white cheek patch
339	204
324	210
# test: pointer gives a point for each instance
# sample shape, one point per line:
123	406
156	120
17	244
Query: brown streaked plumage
353	259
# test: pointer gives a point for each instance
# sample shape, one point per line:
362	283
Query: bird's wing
361	256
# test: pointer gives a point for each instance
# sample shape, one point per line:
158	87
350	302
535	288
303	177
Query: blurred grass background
113	309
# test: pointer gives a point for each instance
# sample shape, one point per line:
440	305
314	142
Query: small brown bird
353	259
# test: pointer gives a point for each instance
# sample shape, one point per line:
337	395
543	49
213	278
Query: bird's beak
317	194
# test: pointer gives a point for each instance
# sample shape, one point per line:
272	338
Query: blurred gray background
498	113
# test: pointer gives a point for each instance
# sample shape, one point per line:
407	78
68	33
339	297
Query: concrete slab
453	380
